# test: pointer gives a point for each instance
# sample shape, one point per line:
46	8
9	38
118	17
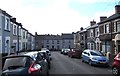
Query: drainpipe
18	38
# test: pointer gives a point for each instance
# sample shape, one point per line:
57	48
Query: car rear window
12	63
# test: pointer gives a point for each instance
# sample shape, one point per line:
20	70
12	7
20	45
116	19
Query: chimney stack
81	28
14	19
102	18
92	22
117	9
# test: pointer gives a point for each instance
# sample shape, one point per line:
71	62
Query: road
62	64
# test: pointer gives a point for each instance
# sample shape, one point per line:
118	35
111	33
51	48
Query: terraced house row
103	36
13	36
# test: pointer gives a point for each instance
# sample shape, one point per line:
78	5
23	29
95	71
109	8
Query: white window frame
0	21
115	26
0	44
19	31
118	26
14	29
107	28
91	33
7	23
15	42
7	51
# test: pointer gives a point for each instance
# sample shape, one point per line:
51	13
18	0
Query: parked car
94	57
30	63
46	56
74	53
116	65
65	51
62	51
48	51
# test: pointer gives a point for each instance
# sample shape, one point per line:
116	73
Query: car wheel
115	71
90	62
82	60
71	56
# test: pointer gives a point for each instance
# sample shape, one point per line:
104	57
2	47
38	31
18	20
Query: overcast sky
57	16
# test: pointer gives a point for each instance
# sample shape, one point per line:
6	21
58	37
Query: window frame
118	25
7	24
0	44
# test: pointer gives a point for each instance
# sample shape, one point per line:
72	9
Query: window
92	46
52	41
15	47
101	29
7	45
69	41
82	37
26	35
106	28
23	34
57	41
19	31
118	26
47	42
47	46
14	30
91	33
114	29
7	26
0	45
20	45
96	32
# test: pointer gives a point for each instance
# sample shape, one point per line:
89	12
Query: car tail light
34	67
117	57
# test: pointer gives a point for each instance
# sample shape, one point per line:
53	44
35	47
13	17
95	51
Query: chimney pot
117	9
92	22
102	18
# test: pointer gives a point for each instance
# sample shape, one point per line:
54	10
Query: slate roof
67	36
49	37
114	16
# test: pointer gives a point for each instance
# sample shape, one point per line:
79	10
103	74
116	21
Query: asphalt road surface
62	64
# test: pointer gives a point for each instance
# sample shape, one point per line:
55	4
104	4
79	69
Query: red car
74	53
116	65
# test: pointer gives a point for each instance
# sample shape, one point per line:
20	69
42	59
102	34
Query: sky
57	16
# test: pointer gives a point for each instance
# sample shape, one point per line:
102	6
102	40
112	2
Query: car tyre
71	56
90	62
82	60
115	71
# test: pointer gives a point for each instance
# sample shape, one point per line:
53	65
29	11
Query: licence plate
103	62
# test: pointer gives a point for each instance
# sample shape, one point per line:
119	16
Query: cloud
54	18
93	1
97	15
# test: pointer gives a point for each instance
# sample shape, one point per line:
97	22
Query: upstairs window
7	25
23	34
106	27
52	41
118	26
57	41
82	37
96	32
91	33
114	28
19	31
0	45
15	30
47	41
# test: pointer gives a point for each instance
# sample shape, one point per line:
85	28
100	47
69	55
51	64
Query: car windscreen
96	53
12	63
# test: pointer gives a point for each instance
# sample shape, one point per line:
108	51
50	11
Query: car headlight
94	59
